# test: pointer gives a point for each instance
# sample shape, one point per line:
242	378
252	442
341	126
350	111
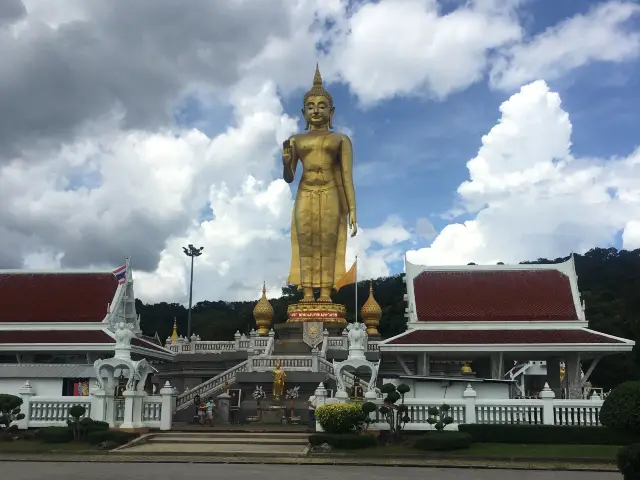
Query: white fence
254	343
544	411
135	410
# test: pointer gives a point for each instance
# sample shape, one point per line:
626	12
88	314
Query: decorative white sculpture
356	336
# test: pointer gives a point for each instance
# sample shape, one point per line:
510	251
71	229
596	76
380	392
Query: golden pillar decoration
371	313
174	334
325	205
278	381
263	313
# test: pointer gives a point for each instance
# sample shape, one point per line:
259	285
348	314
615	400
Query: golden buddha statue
325	204
278	381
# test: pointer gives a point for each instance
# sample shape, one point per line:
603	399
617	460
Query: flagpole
356	284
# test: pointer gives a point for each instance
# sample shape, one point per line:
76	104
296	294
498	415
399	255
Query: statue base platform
290	337
327	313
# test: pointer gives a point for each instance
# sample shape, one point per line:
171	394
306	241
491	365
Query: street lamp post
192	252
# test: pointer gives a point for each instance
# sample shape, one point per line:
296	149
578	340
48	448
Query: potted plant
259	395
292	395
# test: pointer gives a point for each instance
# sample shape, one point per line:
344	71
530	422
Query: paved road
171	471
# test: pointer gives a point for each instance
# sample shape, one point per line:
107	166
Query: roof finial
264	287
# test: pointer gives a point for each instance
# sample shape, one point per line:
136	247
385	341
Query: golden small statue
325	204
278	381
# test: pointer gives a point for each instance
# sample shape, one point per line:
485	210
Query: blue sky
140	144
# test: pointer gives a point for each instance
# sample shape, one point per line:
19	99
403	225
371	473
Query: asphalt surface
161	471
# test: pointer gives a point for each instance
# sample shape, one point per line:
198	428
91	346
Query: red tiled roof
55	336
493	295
478	337
55	297
71	337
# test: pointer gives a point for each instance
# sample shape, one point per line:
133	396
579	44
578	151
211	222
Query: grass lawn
35	446
502	450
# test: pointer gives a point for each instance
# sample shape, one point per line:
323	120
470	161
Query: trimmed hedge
116	436
444	440
628	461
620	408
56	435
547	434
348	441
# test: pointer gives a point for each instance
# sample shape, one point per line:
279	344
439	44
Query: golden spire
371	313
174	334
263	312
318	90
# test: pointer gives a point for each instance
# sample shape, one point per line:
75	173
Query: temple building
513	326
54	325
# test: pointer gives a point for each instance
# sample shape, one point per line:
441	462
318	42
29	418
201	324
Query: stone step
156	448
231	434
231	440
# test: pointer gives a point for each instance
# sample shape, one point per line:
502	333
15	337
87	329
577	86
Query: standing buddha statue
278	381
325	205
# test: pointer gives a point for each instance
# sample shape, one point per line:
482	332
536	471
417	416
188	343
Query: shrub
439	417
547	434
396	415
78	428
628	460
9	409
56	435
341	417
116	436
621	408
441	441
344	441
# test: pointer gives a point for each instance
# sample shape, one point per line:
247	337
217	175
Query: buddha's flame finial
264	288
317	78
371	287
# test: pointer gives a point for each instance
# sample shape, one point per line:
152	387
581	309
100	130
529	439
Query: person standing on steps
312	411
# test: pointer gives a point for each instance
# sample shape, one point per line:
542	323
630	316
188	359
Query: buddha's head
318	105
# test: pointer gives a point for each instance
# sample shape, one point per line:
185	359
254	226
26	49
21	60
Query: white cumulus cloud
531	197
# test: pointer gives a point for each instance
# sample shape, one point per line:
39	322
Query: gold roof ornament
318	90
466	368
174	334
263	313
371	313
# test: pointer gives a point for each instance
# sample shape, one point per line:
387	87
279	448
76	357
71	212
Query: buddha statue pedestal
331	315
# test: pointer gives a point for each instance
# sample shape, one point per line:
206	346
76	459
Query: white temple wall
44	387
435	389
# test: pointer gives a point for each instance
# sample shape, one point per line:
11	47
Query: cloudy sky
483	130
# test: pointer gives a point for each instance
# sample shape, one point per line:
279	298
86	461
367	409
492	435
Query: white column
98	405
26	392
469	396
321	399
497	366
424	367
129	397
573	376
547	396
166	413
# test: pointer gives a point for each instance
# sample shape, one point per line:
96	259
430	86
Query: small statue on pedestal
278	381
358	392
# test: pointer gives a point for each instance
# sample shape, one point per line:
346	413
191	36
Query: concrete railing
252	343
135	410
544	411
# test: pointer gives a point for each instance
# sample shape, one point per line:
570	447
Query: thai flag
121	274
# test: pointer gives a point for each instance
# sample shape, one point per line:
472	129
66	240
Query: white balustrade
155	411
544	411
243	343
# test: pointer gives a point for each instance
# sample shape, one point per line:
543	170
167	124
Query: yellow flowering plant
341	417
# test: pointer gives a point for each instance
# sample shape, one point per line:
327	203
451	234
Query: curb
472	458
356	462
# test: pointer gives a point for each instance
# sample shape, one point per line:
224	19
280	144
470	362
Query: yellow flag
347	278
